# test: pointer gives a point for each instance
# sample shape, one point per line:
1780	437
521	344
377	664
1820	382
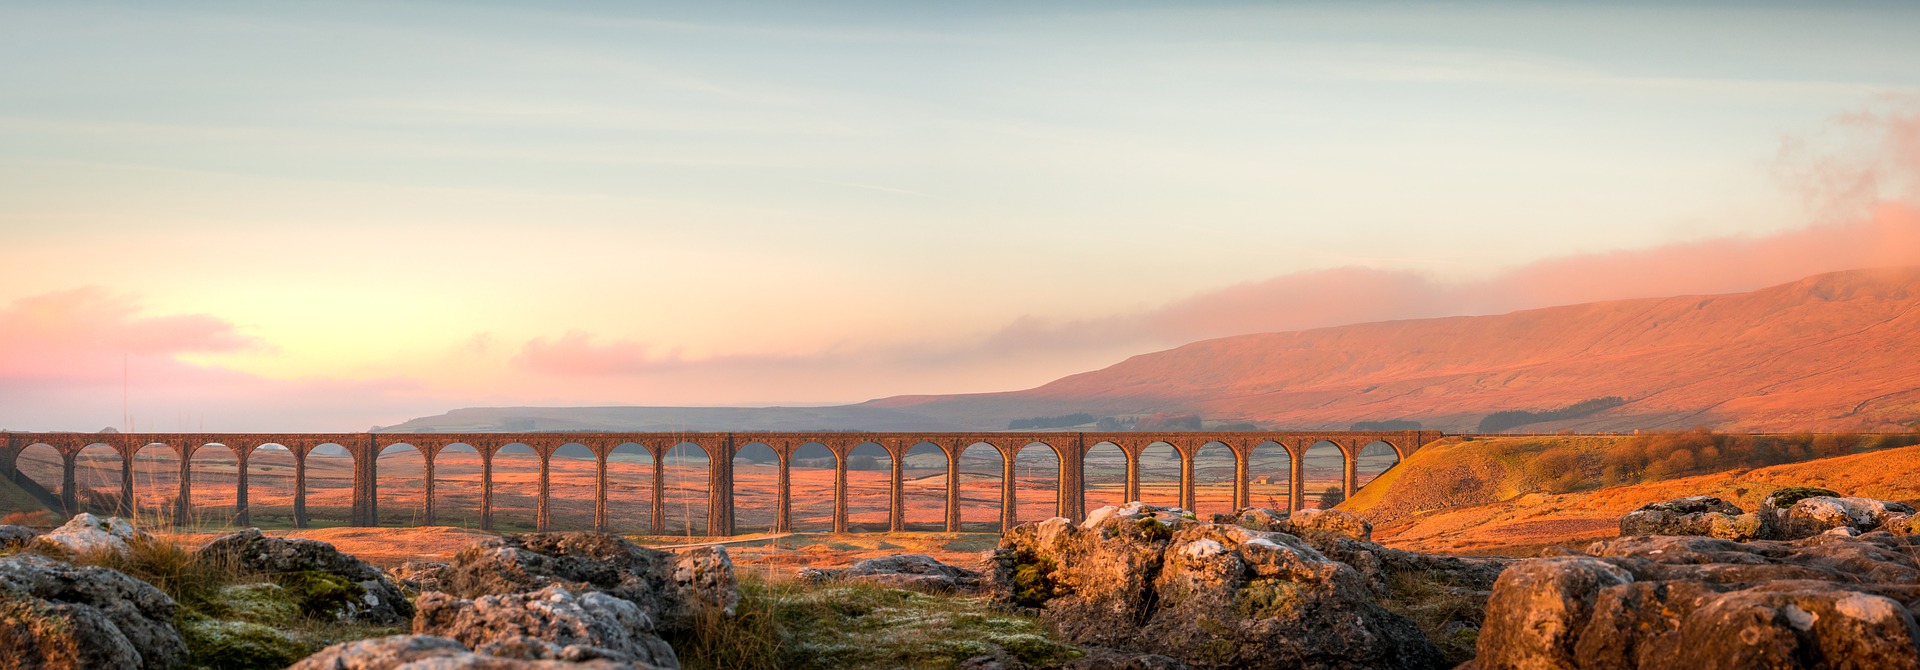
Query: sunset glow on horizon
228	216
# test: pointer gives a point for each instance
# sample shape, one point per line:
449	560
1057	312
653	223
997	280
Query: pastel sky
325	216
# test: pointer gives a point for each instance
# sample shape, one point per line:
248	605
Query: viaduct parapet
720	448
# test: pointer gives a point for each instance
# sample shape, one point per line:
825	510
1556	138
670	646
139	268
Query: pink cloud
578	353
84	333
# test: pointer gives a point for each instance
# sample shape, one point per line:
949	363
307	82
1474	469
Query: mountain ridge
1834	351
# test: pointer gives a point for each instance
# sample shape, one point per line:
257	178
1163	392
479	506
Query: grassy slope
1476	496
15	499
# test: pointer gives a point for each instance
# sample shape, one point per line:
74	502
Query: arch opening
810	487
516	488
270	478
1036	488
1269	476
1160	474
38	472
1374	460
1106	475
980	472
1213	474
400	493
156	485
756	487
629	489
1325	468
457	485
924	467
869	488
329	486
573	475
96	473
215	472
685	490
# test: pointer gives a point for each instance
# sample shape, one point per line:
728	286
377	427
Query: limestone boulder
1783	498
428	652
16	536
89	534
1698	602
552	623
1152	580
915	572
673	589
1696	515
420	576
1337	523
306	565
56	615
1820	514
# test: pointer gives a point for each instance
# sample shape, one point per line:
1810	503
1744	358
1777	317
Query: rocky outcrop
674	589
420	576
1671	601
341	585
903	571
89	534
16	536
1819	514
552	623
1695	515
1336	523
425	652
56	615
1154	580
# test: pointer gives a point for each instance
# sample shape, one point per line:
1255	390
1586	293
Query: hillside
1829	352
1833	352
1478	496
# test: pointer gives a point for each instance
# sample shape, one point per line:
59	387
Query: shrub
1033	583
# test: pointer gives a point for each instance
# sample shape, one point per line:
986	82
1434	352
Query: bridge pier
1009	502
183	504
1242	479
783	499
1296	479
897	498
953	489
720	487
486	488
600	494
69	496
426	489
658	512
1187	500
299	487
839	493
1350	473
241	515
541	501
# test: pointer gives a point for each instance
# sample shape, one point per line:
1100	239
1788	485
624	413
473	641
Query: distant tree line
1501	421
1044	422
1382	426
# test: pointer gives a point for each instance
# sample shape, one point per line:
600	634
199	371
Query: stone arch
981	467
1036	482
1372	460
400	488
40	470
329	485
515	489
1270	476
156	483
458	485
869	488
630	488
1324	472
686	489
1106	467
98	479
214	473
810	472
923	468
573	475
1215	466
271	478
756	484
1159	465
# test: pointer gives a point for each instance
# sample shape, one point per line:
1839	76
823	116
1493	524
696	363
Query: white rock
1203	548
86	534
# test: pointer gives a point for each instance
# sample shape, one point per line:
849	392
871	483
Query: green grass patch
798	625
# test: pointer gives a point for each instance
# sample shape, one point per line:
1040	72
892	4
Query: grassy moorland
1515	494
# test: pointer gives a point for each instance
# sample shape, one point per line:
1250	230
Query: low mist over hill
1838	351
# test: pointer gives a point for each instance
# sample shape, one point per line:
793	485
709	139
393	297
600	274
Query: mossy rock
1268	598
263	603
1786	497
1033	583
322	594
239	645
1153	529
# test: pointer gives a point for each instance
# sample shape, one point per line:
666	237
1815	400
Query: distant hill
1838	351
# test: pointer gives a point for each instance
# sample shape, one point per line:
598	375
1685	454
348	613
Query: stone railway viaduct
364	448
